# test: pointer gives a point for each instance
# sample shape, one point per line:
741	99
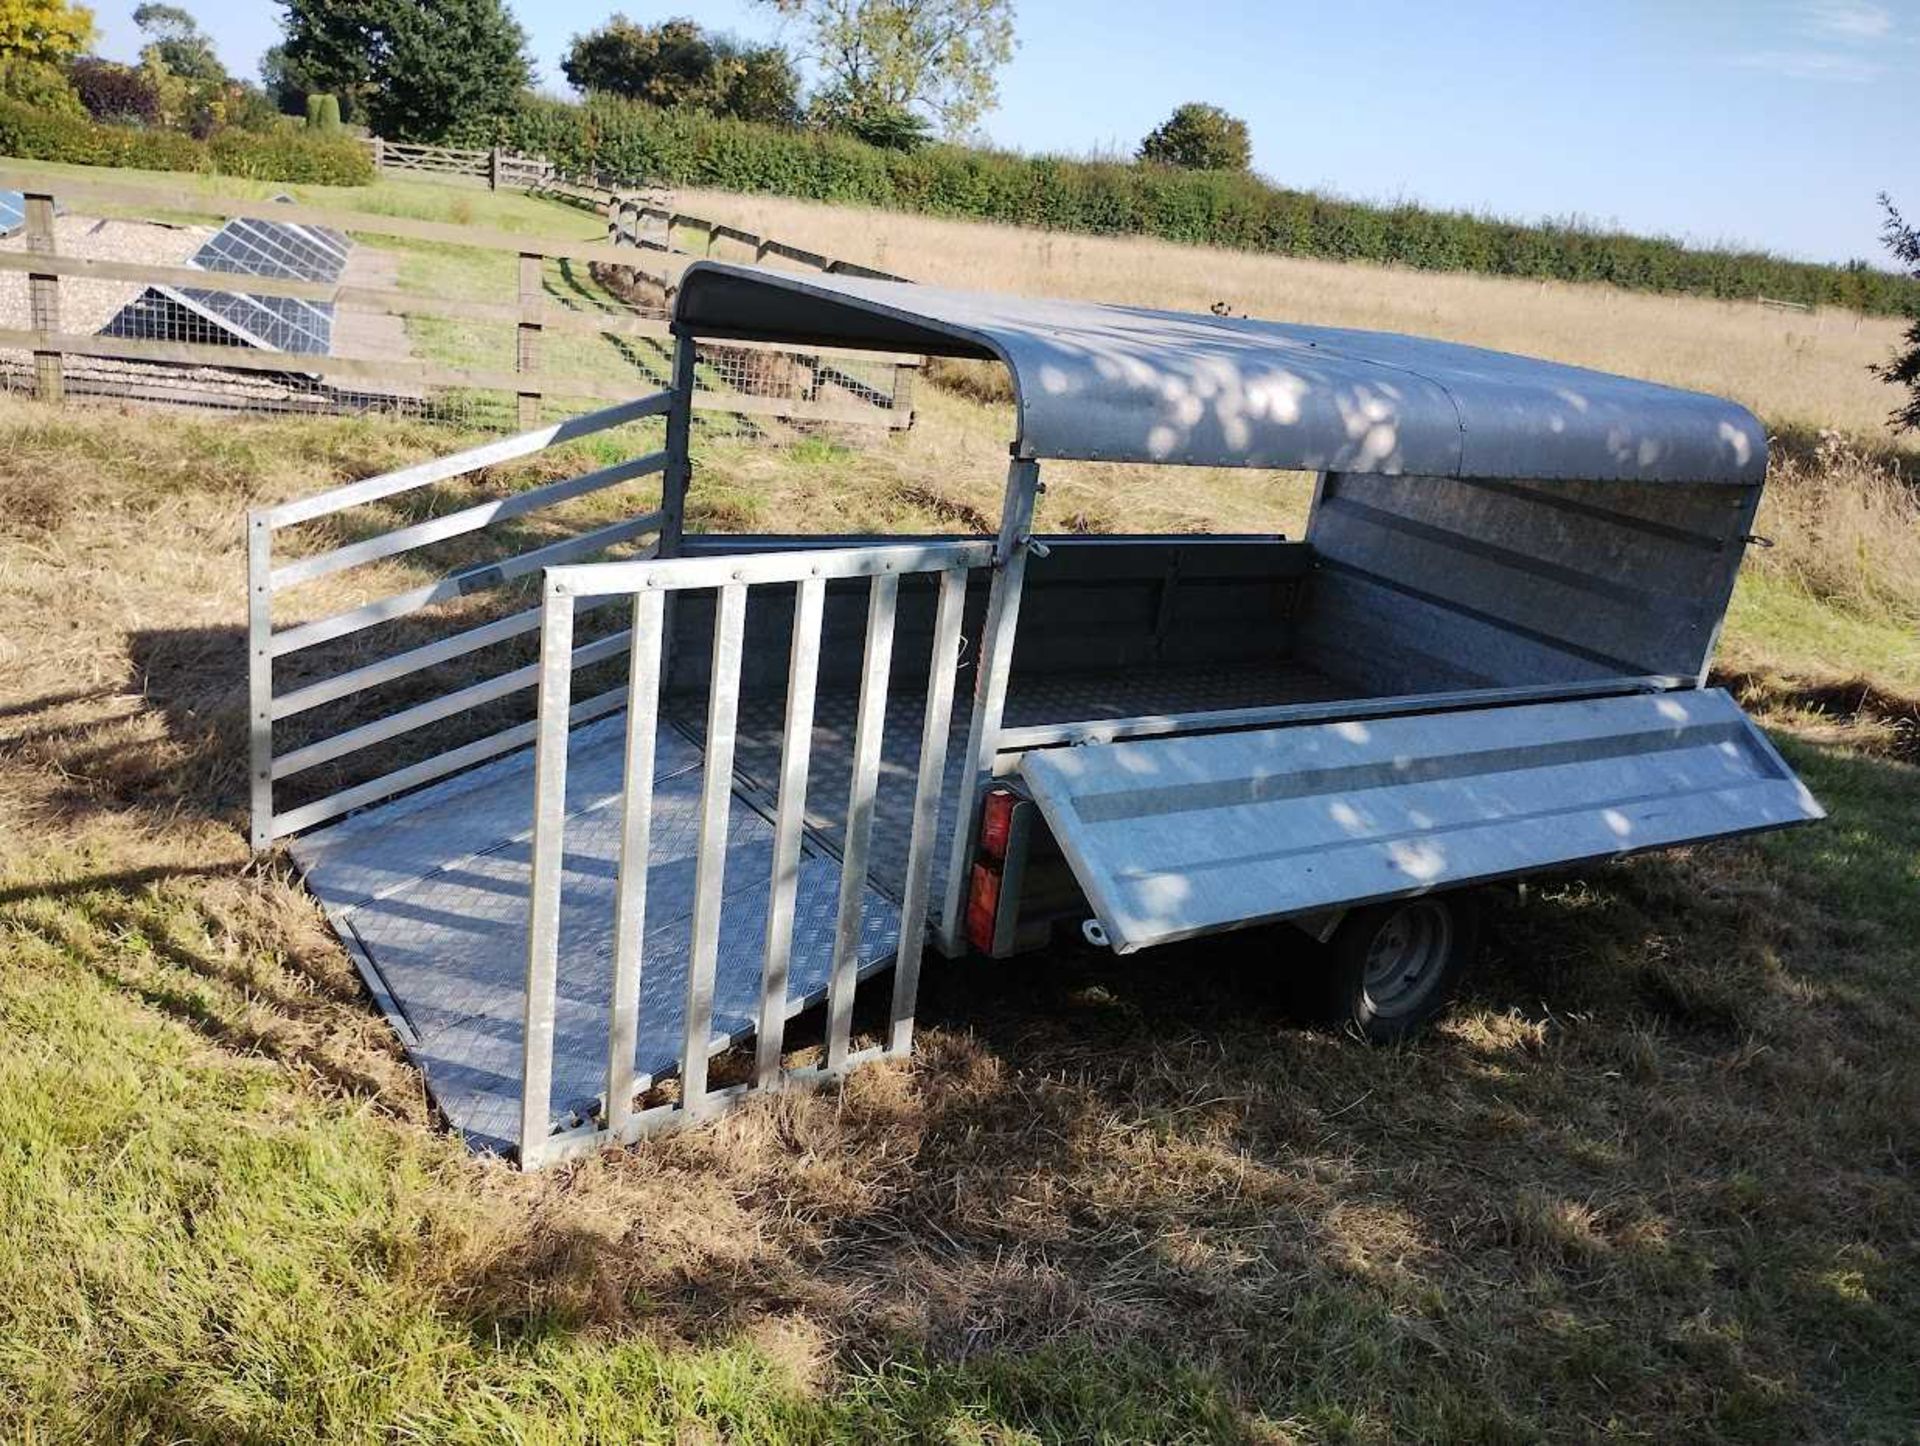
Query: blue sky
1767	122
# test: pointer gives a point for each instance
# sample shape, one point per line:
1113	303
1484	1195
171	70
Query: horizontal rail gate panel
1176	837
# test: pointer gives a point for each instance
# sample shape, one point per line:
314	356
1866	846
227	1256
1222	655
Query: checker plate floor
431	893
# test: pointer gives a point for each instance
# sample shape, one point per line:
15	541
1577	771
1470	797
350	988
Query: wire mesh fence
260	308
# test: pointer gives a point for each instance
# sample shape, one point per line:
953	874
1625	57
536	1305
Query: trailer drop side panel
1183	836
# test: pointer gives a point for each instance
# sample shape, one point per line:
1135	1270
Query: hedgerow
285	155
292	155
638	142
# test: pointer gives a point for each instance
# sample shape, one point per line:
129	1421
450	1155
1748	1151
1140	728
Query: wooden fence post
379	152
493	169
527	336
43	299
900	415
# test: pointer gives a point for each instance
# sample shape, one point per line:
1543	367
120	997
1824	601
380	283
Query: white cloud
1811	65
1841	42
1849	20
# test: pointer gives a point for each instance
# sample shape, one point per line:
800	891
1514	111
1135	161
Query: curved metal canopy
1128	384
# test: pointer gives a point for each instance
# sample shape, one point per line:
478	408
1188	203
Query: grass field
438	269
1653	1178
1791	368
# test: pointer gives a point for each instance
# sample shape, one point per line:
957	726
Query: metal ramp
566	918
430	892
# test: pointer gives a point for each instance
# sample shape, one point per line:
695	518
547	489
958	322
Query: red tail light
983	907
996	823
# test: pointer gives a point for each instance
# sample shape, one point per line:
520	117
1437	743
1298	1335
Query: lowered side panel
1182	836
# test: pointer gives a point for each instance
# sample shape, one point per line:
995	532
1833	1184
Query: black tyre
1395	965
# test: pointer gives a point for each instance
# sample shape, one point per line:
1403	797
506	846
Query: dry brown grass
1653	1178
951	467
1791	369
1844	521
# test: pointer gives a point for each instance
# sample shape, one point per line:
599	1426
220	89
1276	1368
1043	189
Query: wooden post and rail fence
500	169
626	205
834	385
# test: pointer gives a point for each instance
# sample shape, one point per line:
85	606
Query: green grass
423	200
203	1246
432	269
1864	862
198	1249
1651	1180
1772	620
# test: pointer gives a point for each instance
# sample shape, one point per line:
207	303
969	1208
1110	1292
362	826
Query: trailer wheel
1396	964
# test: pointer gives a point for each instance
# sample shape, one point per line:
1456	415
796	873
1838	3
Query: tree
762	82
934	56
890	127
669	64
113	92
248	107
41	86
416	70
447	64
1199	138
176	39
1904	369
676	63
329	47
284	85
44	32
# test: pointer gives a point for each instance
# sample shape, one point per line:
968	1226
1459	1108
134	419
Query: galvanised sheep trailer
1487	657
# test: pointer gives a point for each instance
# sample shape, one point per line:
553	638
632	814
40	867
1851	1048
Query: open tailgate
1173	837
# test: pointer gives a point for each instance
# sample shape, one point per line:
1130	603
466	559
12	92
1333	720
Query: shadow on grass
1605	1188
1619	1183
1849	701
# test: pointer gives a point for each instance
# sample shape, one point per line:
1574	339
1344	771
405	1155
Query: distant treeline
1212	208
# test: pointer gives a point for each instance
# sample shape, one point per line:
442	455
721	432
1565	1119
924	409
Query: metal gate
267	644
651	585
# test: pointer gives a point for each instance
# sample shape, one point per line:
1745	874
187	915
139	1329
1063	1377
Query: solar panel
13	212
247	247
274	323
275	248
226	318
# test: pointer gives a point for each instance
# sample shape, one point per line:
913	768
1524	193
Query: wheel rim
1407	956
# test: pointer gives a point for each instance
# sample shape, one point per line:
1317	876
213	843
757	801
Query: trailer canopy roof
1128	384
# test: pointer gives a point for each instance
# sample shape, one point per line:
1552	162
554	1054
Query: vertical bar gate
649	584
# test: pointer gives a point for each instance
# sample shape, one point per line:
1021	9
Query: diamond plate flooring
431	892
1032	700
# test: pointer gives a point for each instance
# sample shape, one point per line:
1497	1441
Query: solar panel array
247	247
272	323
13	212
276	248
